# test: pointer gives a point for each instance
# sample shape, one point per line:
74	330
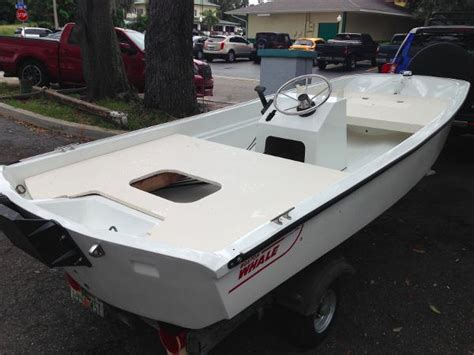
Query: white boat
193	221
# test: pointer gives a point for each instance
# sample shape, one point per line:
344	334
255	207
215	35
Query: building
139	9
326	18
202	6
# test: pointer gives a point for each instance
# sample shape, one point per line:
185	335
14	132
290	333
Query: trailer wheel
309	331
34	72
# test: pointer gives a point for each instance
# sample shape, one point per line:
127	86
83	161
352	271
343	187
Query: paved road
419	253
234	82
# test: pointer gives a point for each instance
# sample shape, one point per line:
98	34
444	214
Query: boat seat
253	188
395	113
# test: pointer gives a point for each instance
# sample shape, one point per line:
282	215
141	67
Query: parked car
44	61
32	32
307	44
420	39
198	47
347	49
270	40
385	52
228	48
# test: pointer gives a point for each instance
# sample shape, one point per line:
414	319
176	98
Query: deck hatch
176	187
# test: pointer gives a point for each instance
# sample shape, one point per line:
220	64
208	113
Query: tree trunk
169	82
104	71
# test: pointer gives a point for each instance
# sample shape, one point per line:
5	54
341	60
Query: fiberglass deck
254	188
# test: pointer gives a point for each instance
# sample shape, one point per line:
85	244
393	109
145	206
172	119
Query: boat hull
189	295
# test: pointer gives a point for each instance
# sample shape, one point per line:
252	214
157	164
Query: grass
8	30
138	116
6	89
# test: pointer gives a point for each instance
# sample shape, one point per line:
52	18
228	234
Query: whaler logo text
257	260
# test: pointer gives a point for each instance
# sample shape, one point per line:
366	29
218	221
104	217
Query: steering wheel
305	103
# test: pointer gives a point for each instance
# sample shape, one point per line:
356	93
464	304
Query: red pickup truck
57	59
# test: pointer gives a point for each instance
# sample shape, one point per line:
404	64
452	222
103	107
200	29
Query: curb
54	124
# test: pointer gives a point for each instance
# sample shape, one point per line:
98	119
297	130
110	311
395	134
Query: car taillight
388	68
222	45
73	283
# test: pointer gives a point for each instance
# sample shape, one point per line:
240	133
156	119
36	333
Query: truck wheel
230	57
34	72
373	62
309	331
322	64
351	63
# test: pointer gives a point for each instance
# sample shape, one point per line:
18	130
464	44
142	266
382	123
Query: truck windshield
137	38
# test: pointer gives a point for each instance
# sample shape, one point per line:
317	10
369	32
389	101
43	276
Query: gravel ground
415	260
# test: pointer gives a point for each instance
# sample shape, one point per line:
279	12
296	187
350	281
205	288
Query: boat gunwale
218	262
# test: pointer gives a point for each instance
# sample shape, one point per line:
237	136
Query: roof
205	3
302	6
228	23
196	2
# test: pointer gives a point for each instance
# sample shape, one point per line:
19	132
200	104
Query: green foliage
45	24
120	9
7	11
42	11
209	18
140	24
8	30
423	9
227	5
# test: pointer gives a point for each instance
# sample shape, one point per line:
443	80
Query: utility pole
55	11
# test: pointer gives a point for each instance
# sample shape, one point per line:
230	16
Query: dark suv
270	40
431	51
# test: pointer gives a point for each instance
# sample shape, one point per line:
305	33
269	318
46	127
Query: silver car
227	47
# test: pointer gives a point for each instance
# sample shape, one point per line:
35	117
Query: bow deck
250	188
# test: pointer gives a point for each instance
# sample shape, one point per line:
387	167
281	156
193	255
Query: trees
41	11
169	58
103	68
209	19
7	11
227	5
424	9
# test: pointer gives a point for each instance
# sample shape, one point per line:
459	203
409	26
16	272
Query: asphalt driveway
413	292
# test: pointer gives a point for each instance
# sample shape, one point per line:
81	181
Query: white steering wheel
306	103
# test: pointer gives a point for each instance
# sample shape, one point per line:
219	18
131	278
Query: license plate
88	301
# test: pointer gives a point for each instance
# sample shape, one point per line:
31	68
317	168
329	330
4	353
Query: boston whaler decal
260	261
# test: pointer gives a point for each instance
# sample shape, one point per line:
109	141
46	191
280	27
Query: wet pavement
413	291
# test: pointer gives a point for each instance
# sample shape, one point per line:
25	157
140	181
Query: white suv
32	32
227	47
